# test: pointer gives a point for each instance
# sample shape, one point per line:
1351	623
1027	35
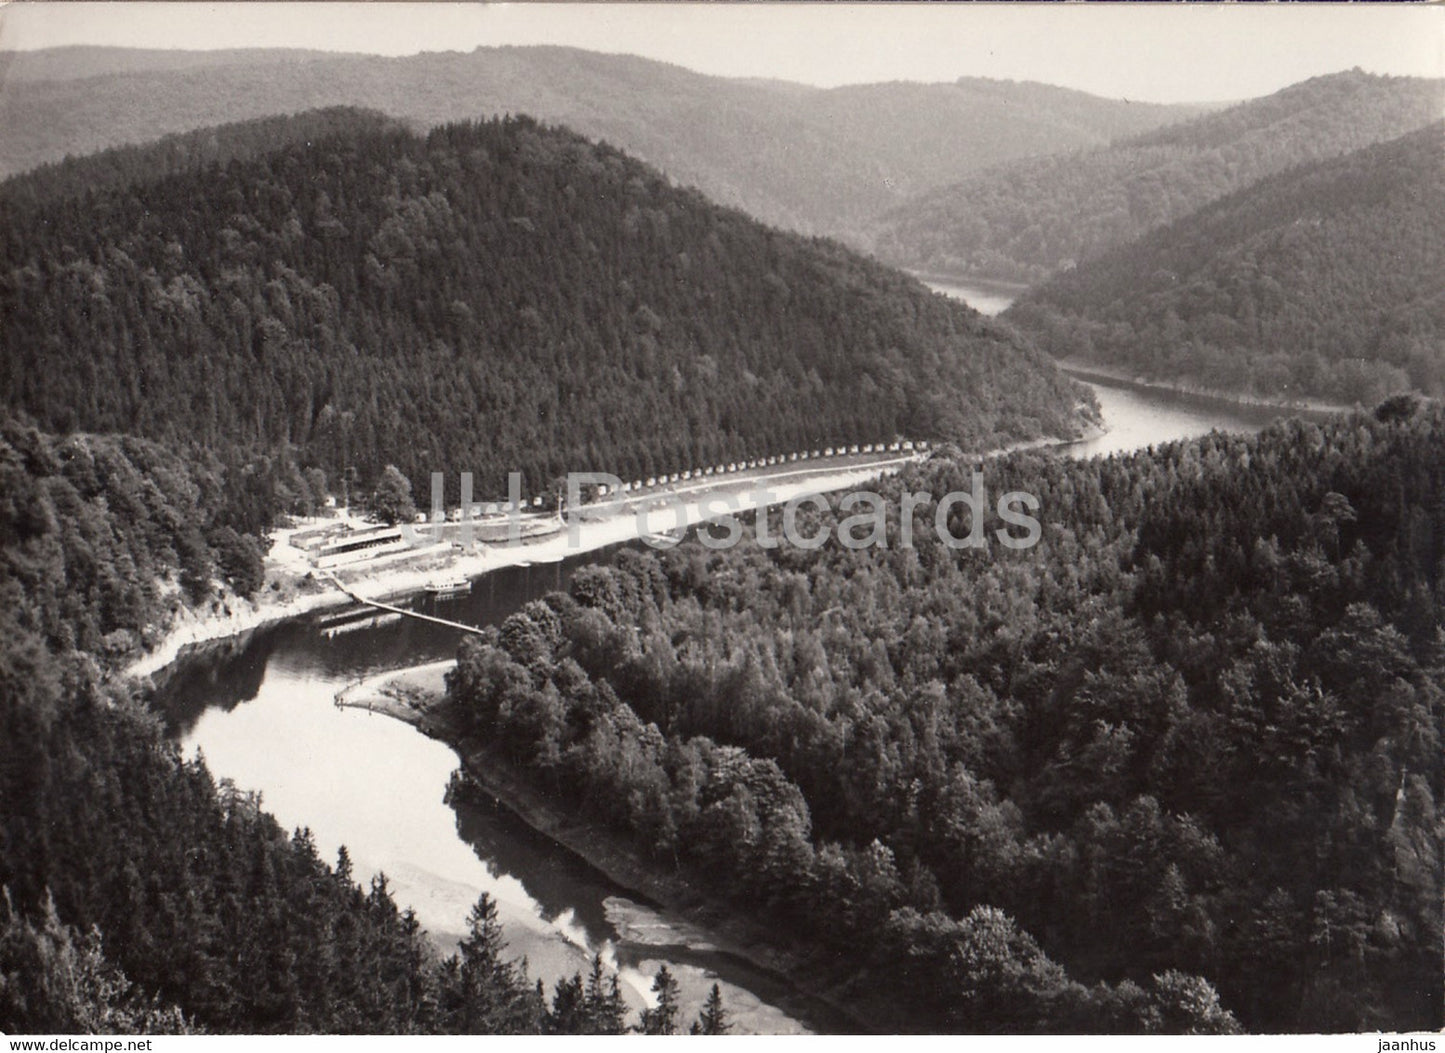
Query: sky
1149	52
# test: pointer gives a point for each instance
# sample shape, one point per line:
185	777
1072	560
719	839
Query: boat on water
448	586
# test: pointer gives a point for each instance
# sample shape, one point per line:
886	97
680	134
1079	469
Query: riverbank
417	696
1097	374
290	590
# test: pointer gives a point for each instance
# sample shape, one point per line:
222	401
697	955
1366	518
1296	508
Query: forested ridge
490	297
1176	768
123	166
106	536
1324	281
1026	220
815	160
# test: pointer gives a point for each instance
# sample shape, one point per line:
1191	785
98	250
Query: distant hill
1025	220
1323	281
808	159
122	166
77	61
489	297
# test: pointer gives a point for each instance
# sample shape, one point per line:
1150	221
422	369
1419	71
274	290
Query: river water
1135	415
261	710
984	297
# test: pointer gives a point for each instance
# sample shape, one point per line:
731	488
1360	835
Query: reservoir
1135	415
260	708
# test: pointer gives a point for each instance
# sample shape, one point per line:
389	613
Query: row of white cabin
480	511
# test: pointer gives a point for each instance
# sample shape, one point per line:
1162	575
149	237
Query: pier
392	608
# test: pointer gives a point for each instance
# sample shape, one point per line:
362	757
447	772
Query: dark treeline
122	166
1176	768
1028	219
490	297
1322	282
139	896
103	538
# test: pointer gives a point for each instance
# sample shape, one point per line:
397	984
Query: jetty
393	609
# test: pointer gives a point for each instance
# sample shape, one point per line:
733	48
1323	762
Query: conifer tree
661	1019
713	1020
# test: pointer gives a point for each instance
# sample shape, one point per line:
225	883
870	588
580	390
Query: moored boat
448	586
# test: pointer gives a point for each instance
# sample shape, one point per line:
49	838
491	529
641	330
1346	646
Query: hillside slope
1324	281
1174	767
76	61
1028	219
140	894
814	160
491	297
121	166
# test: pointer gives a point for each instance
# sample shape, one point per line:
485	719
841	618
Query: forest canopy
1322	282
137	894
1176	768
1028	219
489	297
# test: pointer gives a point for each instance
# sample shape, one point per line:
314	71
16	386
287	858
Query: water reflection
1137	419
573	889
983	296
260	708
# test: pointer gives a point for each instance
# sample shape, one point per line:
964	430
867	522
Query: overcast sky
1163	52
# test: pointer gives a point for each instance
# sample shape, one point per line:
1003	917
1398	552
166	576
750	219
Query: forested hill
72	62
489	297
811	159
1324	281
1176	768
1028	219
122	166
138	896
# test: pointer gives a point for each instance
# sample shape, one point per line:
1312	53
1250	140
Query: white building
358	546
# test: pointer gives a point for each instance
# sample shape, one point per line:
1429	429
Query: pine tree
662	1018
602	1001
490	996
568	1014
343	865
713	1020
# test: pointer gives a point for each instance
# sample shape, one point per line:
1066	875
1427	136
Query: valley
432	488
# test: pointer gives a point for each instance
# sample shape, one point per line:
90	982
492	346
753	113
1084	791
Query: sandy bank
406	694
290	592
416	696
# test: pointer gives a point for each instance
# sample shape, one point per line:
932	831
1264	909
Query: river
1134	419
260	709
986	297
1134	415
